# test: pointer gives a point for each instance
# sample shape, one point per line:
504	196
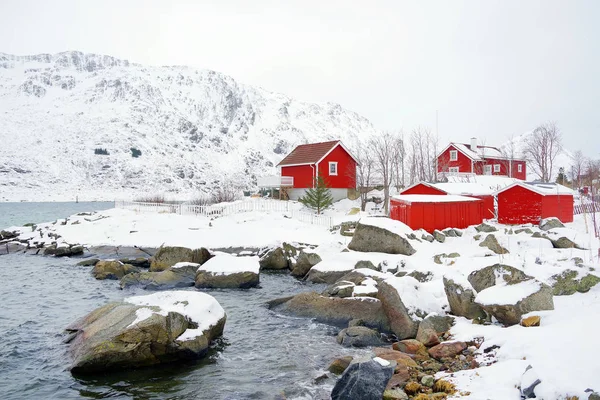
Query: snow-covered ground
562	351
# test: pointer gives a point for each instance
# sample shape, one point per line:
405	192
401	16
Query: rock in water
274	258
364	380
359	336
550	223
112	269
306	261
375	238
168	256
228	272
179	275
145	330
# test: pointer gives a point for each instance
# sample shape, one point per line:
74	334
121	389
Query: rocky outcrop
359	336
401	322
273	259
163	327
564	243
485	228
365	380
369	238
334	310
228	272
112	269
306	260
462	300
487	277
325	275
550	223
178	276
568	282
168	256
66	250
340	289
491	243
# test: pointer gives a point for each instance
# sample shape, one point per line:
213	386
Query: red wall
488	205
419	188
504	168
519	205
303	175
463	162
431	216
346	169
558	206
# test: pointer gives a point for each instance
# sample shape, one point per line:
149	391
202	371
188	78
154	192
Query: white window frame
520	167
487	169
333	163
453	170
496	168
453	155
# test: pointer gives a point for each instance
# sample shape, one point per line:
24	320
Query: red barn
332	160
461	158
526	202
460	189
431	212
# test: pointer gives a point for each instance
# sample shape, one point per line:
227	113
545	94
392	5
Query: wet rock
439	236
10	248
447	349
163	327
432	327
325	275
485	228
486	277
550	223
401	322
90	262
63	250
491	243
339	365
168	256
359	336
273	259
112	269
368	238
340	289
228	272
305	262
140	262
364	380
178	276
462	301
333	310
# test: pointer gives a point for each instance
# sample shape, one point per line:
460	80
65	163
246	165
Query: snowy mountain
195	129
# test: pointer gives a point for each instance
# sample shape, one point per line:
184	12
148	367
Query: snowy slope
196	129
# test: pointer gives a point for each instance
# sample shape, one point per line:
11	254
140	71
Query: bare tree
509	152
382	147
578	163
365	171
542	148
422	154
398	160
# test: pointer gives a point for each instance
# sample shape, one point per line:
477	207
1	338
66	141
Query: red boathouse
527	202
431	212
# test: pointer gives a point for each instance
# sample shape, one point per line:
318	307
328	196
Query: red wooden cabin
460	189
526	202
431	212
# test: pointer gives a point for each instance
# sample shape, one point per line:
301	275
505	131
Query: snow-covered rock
225	271
382	235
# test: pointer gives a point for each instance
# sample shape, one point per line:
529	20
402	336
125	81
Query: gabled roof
481	154
312	153
431	185
432	198
543	188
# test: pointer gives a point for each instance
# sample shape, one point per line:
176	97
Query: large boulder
401	322
447	350
489	276
381	235
340	289
485	228
568	282
168	256
147	330
461	299
564	243
306	260
508	302
492	243
112	269
228	272
550	223
321	273
359	336
4	234
364	380
64	250
334	310
179	275
439	236
432	327
274	259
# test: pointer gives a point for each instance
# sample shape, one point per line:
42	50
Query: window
333	168
453	170
496	167
487	169
453	155
520	168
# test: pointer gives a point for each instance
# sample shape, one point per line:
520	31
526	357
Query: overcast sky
492	69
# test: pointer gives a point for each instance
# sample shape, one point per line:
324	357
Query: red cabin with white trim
526	202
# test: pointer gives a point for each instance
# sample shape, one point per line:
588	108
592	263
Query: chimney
474	144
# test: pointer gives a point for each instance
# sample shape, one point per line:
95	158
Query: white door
487	170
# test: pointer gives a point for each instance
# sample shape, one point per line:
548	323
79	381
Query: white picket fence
225	209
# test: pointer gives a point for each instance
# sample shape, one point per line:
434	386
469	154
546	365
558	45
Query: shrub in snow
100	151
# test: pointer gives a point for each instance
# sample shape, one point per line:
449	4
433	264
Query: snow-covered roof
543	188
481	153
432	198
459	188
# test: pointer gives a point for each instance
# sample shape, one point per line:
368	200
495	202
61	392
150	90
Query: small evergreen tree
562	178
318	197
